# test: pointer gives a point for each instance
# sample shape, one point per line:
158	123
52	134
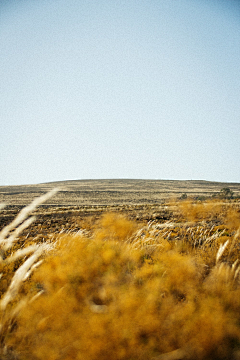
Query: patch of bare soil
68	210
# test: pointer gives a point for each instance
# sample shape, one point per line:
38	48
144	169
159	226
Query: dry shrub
113	226
105	300
232	219
196	211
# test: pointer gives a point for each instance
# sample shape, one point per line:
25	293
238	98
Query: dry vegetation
121	282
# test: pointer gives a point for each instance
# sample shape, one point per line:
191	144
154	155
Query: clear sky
97	89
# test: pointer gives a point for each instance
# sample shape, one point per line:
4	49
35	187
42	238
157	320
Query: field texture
112	192
120	269
139	199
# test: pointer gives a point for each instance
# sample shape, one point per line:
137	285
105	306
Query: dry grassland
120	270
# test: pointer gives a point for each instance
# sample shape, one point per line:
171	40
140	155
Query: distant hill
112	191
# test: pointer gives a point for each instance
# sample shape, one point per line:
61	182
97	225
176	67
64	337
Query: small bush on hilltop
226	193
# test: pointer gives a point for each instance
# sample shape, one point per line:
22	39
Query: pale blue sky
96	89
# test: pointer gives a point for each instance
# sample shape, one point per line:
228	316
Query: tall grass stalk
29	257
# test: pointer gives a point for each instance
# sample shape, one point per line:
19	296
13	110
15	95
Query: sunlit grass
125	290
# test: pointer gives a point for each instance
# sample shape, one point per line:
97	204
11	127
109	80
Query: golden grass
127	291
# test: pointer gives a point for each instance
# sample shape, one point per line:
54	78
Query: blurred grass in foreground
127	291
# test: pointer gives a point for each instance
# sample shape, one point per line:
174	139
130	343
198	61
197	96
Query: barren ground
141	200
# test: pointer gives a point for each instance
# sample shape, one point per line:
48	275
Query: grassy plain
128	271
112	192
78	199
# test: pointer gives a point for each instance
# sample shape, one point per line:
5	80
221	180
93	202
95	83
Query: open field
112	192
131	272
140	200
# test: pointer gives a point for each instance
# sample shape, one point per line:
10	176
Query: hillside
112	192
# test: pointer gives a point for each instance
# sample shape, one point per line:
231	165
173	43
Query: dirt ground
79	200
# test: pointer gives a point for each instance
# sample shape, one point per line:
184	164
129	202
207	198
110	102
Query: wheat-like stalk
18	278
8	236
10	232
221	249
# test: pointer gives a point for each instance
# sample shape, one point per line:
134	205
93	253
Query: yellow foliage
195	211
114	227
105	300
124	293
232	219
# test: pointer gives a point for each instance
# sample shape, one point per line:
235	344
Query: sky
110	89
